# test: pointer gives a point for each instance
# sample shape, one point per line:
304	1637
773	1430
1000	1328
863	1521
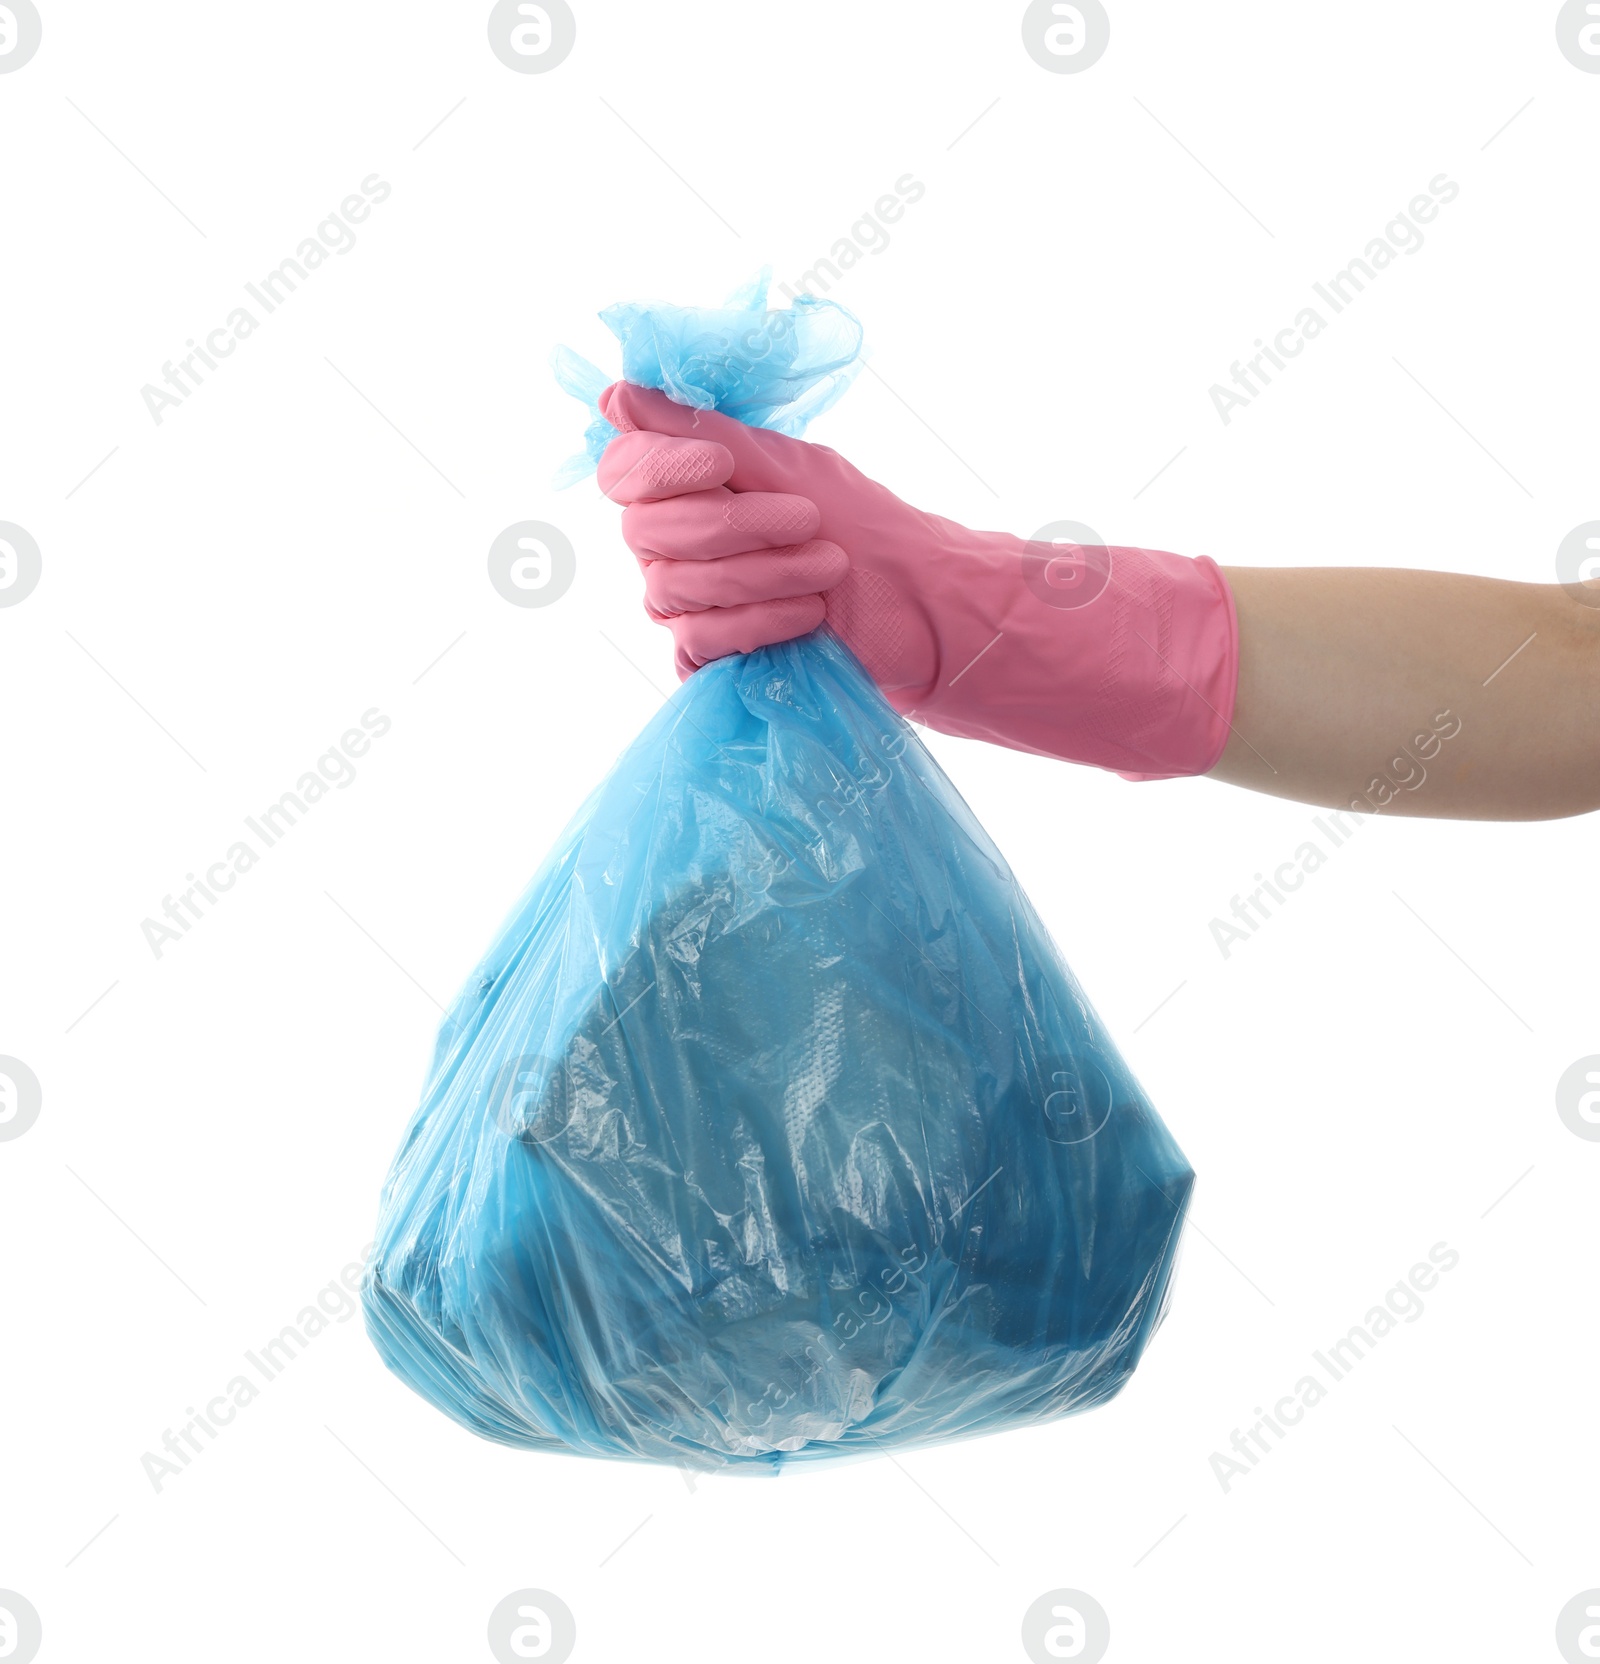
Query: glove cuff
1126	659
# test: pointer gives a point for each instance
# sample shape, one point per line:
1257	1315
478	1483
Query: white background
231	588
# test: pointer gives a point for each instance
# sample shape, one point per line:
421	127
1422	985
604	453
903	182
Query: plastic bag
777	370
773	1126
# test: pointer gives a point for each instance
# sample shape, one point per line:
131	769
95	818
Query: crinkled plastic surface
770	369
773	1126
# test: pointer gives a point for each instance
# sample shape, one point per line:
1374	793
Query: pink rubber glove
1123	658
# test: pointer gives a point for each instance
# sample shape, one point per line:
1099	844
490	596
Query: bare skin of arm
1416	693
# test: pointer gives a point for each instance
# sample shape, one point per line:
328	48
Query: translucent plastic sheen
777	369
773	1125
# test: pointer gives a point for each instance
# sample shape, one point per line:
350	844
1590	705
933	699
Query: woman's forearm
1421	693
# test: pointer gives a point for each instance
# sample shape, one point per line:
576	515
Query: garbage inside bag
773	1126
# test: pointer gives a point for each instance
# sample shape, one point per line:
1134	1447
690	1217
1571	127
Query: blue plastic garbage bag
773	1126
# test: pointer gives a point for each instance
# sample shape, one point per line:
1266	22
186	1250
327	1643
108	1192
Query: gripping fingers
704	636
647	467
676	586
706	525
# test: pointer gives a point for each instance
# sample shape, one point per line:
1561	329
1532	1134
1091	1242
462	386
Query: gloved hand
1123	658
